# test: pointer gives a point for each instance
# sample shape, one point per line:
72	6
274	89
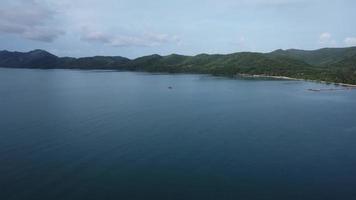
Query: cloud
326	39
147	39
267	4
240	42
28	19
274	2
96	36
350	41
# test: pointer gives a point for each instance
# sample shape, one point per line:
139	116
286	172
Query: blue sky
134	28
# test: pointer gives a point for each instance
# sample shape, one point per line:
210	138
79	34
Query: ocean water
68	134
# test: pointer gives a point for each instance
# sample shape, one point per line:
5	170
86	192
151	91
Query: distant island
335	65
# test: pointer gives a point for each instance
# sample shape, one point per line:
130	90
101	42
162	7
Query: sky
134	28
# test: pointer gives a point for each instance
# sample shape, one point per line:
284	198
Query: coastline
349	86
346	85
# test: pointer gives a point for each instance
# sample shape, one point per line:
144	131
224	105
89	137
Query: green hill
329	64
320	57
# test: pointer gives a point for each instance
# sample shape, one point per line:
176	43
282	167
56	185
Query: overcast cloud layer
134	28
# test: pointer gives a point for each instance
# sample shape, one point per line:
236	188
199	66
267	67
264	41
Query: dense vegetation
329	64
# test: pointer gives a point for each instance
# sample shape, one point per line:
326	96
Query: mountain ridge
327	64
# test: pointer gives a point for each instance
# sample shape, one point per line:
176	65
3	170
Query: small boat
315	90
170	87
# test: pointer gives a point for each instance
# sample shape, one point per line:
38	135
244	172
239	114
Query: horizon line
289	49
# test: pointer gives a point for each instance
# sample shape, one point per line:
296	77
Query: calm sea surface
67	134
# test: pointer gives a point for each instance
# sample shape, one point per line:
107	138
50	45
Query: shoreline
350	86
346	85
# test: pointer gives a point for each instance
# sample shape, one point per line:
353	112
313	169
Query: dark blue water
121	135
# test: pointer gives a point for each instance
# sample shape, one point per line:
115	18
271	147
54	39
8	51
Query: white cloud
240	42
274	2
350	41
95	36
326	39
119	40
262	4
28	19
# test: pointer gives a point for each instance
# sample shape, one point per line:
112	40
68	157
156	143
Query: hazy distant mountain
32	59
43	59
329	64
